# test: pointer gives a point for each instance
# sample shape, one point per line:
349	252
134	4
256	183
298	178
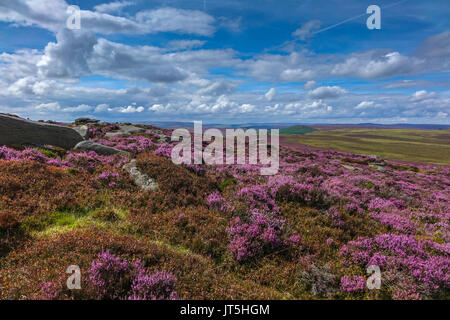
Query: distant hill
385	126
297	130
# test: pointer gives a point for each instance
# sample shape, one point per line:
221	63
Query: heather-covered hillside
219	232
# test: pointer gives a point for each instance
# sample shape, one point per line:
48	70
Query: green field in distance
426	146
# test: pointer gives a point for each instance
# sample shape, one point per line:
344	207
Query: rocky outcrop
82	121
18	131
125	130
98	148
140	179
83	131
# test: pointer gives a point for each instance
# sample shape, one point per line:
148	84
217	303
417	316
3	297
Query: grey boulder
81	121
127	129
18	131
114	134
98	148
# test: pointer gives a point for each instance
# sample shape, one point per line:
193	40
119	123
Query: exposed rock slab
18	131
127	129
81	121
99	148
140	179
351	168
118	133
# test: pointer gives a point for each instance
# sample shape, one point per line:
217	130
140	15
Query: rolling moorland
423	146
226	232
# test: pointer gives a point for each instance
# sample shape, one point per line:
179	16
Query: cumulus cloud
376	64
131	109
112	7
307	29
218	88
69	56
327	92
422	95
52	15
48	107
184	44
246	107
364	105
177	20
310	85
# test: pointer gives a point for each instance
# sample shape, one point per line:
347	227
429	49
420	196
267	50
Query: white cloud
52	15
375	64
131	109
79	108
326	92
298	74
177	20
307	29
422	95
184	44
310	85
364	105
247	108
48	107
112	7
218	88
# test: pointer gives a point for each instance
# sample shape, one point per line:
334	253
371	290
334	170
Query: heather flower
108	177
114	278
353	283
109	276
157	286
49	291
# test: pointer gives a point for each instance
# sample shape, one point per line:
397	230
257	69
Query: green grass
297	130
425	146
64	221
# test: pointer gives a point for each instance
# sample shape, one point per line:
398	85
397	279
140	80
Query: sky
226	61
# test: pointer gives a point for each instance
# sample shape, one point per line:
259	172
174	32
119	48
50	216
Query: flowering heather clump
354	283
89	161
249	239
108	177
110	276
165	150
217	202
134	144
98	131
113	278
31	154
49	291
426	262
157	286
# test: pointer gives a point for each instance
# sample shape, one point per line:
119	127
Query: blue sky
226	61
